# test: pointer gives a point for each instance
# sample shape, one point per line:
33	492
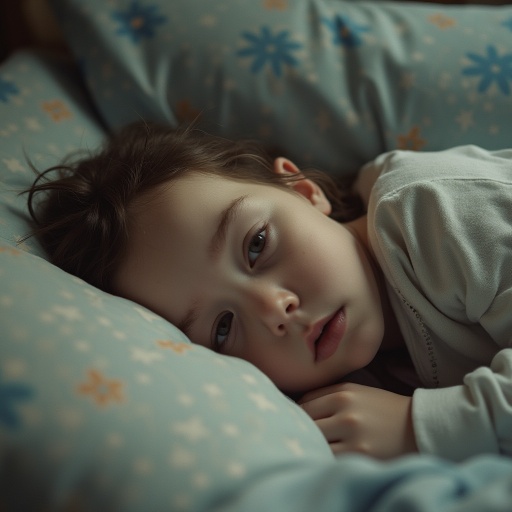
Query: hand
356	418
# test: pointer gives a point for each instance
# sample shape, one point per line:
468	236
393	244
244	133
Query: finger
319	408
340	448
331	429
343	448
317	393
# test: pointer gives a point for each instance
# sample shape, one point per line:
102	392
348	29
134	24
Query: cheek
317	265
305	248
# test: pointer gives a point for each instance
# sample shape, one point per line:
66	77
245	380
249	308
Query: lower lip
331	337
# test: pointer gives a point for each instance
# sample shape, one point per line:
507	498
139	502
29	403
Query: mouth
327	335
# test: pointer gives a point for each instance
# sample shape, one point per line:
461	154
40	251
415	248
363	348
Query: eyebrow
227	217
217	242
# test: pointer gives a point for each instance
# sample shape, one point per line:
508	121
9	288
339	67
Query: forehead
201	194
192	197
176	211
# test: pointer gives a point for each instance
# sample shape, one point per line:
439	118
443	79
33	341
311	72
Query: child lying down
255	258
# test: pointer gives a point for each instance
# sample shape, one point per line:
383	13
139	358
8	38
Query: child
253	258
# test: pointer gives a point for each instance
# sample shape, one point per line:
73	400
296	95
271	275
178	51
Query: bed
106	406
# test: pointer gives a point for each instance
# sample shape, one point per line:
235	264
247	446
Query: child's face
256	271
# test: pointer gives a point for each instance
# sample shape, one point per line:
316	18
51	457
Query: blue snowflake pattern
493	68
10	396
138	21
7	89
345	31
274	49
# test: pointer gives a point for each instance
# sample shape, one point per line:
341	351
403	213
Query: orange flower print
57	110
10	250
411	140
442	21
101	389
278	5
179	348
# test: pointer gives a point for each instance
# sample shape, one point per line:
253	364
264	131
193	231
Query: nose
274	306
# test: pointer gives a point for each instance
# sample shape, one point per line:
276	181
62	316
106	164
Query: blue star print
138	21
274	49
345	31
7	89
10	396
493	68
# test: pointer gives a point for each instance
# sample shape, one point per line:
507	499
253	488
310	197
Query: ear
304	186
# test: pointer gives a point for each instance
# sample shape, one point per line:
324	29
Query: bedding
130	401
106	406
333	83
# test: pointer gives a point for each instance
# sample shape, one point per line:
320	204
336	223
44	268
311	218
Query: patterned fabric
333	83
104	405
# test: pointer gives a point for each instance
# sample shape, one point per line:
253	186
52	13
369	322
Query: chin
301	389
296	390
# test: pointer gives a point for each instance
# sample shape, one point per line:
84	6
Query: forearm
476	417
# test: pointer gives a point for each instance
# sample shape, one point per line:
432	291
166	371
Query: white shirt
440	225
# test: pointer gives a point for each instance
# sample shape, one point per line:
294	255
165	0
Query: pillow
332	83
104	405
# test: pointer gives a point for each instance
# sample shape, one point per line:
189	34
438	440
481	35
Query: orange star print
179	348
101	389
411	140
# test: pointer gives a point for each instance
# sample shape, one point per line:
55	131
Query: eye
221	331
256	246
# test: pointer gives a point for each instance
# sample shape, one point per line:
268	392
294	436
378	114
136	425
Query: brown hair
82	217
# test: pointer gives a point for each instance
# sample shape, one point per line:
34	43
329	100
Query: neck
392	336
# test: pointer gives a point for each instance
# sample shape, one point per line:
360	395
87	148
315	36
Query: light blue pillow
104	405
107	407
333	83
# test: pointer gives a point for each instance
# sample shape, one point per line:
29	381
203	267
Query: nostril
290	307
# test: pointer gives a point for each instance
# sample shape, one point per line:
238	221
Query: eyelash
260	236
220	345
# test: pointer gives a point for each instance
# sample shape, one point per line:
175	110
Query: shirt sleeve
458	422
442	229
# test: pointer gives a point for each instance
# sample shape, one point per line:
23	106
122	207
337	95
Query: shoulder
398	172
442	221
465	191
